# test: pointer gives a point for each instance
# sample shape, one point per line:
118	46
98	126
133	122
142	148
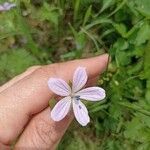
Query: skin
24	106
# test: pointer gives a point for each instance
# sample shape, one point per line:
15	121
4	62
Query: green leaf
147	94
87	15
143	6
143	34
123	58
98	21
121	28
147	61
106	4
135	129
121	44
76	9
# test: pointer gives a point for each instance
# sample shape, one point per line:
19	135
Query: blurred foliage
43	32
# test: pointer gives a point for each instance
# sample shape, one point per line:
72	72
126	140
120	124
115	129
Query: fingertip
94	66
97	65
104	59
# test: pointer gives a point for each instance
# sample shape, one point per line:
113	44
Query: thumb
44	133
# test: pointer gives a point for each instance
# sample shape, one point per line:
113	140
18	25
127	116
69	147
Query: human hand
24	106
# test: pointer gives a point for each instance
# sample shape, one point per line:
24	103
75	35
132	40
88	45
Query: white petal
61	109
79	79
8	6
92	94
59	86
80	112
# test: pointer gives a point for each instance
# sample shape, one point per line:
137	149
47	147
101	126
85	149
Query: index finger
31	95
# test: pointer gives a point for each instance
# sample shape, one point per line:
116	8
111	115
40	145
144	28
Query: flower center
77	97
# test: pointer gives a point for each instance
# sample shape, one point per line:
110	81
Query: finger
4	147
92	81
18	78
31	95
42	132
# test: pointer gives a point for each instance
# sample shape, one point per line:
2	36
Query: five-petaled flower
73	96
7	6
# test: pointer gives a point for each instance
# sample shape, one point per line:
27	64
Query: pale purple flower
7	6
73	96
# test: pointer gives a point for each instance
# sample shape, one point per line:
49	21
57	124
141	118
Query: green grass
43	32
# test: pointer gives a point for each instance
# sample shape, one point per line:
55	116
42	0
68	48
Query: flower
6	6
73	96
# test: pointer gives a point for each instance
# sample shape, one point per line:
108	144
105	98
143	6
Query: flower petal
8	6
1	8
61	109
79	79
80	112
59	86
92	94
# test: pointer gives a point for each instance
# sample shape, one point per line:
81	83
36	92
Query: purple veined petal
92	94
59	86
80	112
61	109
79	79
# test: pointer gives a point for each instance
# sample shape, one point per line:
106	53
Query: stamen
77	97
